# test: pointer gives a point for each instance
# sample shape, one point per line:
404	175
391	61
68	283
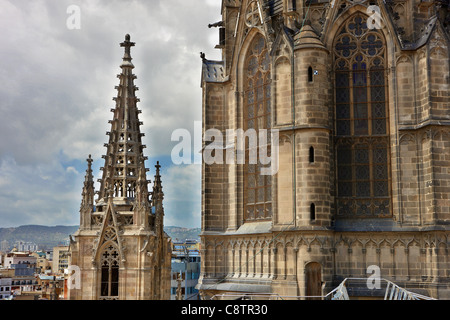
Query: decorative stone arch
242	54
404	58
441	134
407	138
387	28
318	242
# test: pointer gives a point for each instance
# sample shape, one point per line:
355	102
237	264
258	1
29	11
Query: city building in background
60	259
5	286
25	246
185	269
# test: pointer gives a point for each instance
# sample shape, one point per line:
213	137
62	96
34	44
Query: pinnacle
157	186
89	177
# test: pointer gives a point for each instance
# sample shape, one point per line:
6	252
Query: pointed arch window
109	282
257	115
361	125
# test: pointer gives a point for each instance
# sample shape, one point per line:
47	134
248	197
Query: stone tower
121	250
359	93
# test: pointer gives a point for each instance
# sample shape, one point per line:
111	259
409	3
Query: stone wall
410	246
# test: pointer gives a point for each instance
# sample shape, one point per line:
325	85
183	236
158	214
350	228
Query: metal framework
392	292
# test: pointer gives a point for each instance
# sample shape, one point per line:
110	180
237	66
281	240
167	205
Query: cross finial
89	160
127	44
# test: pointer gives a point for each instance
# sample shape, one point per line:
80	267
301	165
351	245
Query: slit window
311	155
312	212
310	74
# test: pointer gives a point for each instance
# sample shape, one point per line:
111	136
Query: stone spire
157	201
124	155
87	200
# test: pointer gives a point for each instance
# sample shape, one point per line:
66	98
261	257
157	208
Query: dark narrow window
311	155
310	74
312	212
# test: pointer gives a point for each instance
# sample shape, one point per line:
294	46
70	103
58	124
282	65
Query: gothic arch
243	52
441	135
404	58
333	28
407	138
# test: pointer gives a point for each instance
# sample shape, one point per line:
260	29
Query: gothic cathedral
121	250
358	92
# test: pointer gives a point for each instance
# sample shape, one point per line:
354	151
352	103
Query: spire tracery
125	148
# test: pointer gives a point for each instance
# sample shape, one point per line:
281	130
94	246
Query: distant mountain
47	237
44	236
180	233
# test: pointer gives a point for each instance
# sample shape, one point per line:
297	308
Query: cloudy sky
57	85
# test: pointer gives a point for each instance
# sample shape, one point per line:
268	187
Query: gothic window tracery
361	126
257	194
109	286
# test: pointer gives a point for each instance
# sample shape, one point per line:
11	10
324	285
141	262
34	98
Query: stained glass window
362	131
257	195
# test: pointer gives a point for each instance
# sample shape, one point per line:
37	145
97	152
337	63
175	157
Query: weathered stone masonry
364	147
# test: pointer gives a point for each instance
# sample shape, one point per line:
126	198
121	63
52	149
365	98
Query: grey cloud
58	85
